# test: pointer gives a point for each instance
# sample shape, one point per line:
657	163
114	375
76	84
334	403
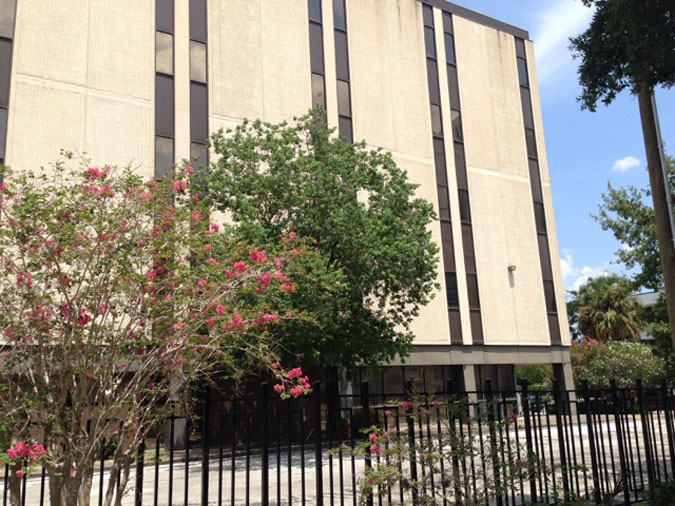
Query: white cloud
625	164
556	24
574	277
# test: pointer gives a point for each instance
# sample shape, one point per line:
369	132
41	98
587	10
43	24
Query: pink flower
196	216
69	154
257	256
215	227
271	317
387	413
436	404
291	236
297	391
220	309
286	288
518	463
12	454
372	438
513	417
382	450
295	373
405	405
240	266
212	261
279	388
178	327
201	283
207	247
189	170
180	186
20	474
276	365
373	448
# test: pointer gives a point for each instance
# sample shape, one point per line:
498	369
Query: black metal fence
525	447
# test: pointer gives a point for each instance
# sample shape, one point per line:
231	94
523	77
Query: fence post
645	433
528	440
265	442
561	440
591	441
365	404
411	447
318	448
494	451
619	435
453	440
206	419
139	475
669	424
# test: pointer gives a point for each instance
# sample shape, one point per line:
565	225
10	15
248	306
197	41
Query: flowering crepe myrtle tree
115	294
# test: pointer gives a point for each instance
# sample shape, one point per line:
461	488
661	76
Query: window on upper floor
197	61
7	12
164	53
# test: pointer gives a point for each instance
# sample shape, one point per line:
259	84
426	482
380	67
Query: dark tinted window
540	217
450	49
163	156
531	143
316	46
447	246
549	294
164	15
447	22
455	326
443	203
453	87
535	182
464	209
429	42
5	74
527	107
436	121
520	48
476	327
318	91
164	105
198	20
344	106
472	288
522	72
456	117
345	128
3	134
197	62
314	10
199	154
460	165
428	15
544	257
451	289
7	10
198	112
554	328
434	90
467	244
339	15
164	53
341	58
439	162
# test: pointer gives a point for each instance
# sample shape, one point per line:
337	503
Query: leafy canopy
377	262
604	309
629	44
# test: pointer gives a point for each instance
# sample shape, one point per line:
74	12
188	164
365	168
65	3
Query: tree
377	262
630	44
115	295
626	213
624	362
604	309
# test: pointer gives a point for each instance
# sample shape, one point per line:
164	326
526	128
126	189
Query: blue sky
585	150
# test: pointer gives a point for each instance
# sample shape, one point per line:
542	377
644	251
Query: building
451	93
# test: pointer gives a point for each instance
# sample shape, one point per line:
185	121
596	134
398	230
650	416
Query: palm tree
605	309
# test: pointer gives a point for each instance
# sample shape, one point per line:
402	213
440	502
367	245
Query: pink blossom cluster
24	278
94	173
95	191
180	187
23	453
257	256
301	383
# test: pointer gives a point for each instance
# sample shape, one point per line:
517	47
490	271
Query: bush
539	376
622	361
663	494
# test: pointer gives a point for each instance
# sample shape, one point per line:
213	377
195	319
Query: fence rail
523	447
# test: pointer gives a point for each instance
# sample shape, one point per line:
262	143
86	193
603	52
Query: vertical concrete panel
235	59
285	60
330	61
182	78
536	111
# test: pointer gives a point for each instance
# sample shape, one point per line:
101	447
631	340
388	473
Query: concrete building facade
450	93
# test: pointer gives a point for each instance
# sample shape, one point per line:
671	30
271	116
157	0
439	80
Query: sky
585	150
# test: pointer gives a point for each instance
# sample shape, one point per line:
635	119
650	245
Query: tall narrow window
447	242
199	92
472	280
345	128
164	88
537	195
316	56
7	16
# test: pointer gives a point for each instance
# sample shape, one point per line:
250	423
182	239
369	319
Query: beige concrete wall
83	81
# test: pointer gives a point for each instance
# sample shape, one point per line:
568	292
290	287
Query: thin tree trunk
14	491
662	212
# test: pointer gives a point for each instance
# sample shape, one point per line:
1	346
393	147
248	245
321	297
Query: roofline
482	19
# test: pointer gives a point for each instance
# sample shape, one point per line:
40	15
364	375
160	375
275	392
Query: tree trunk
14	491
662	212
